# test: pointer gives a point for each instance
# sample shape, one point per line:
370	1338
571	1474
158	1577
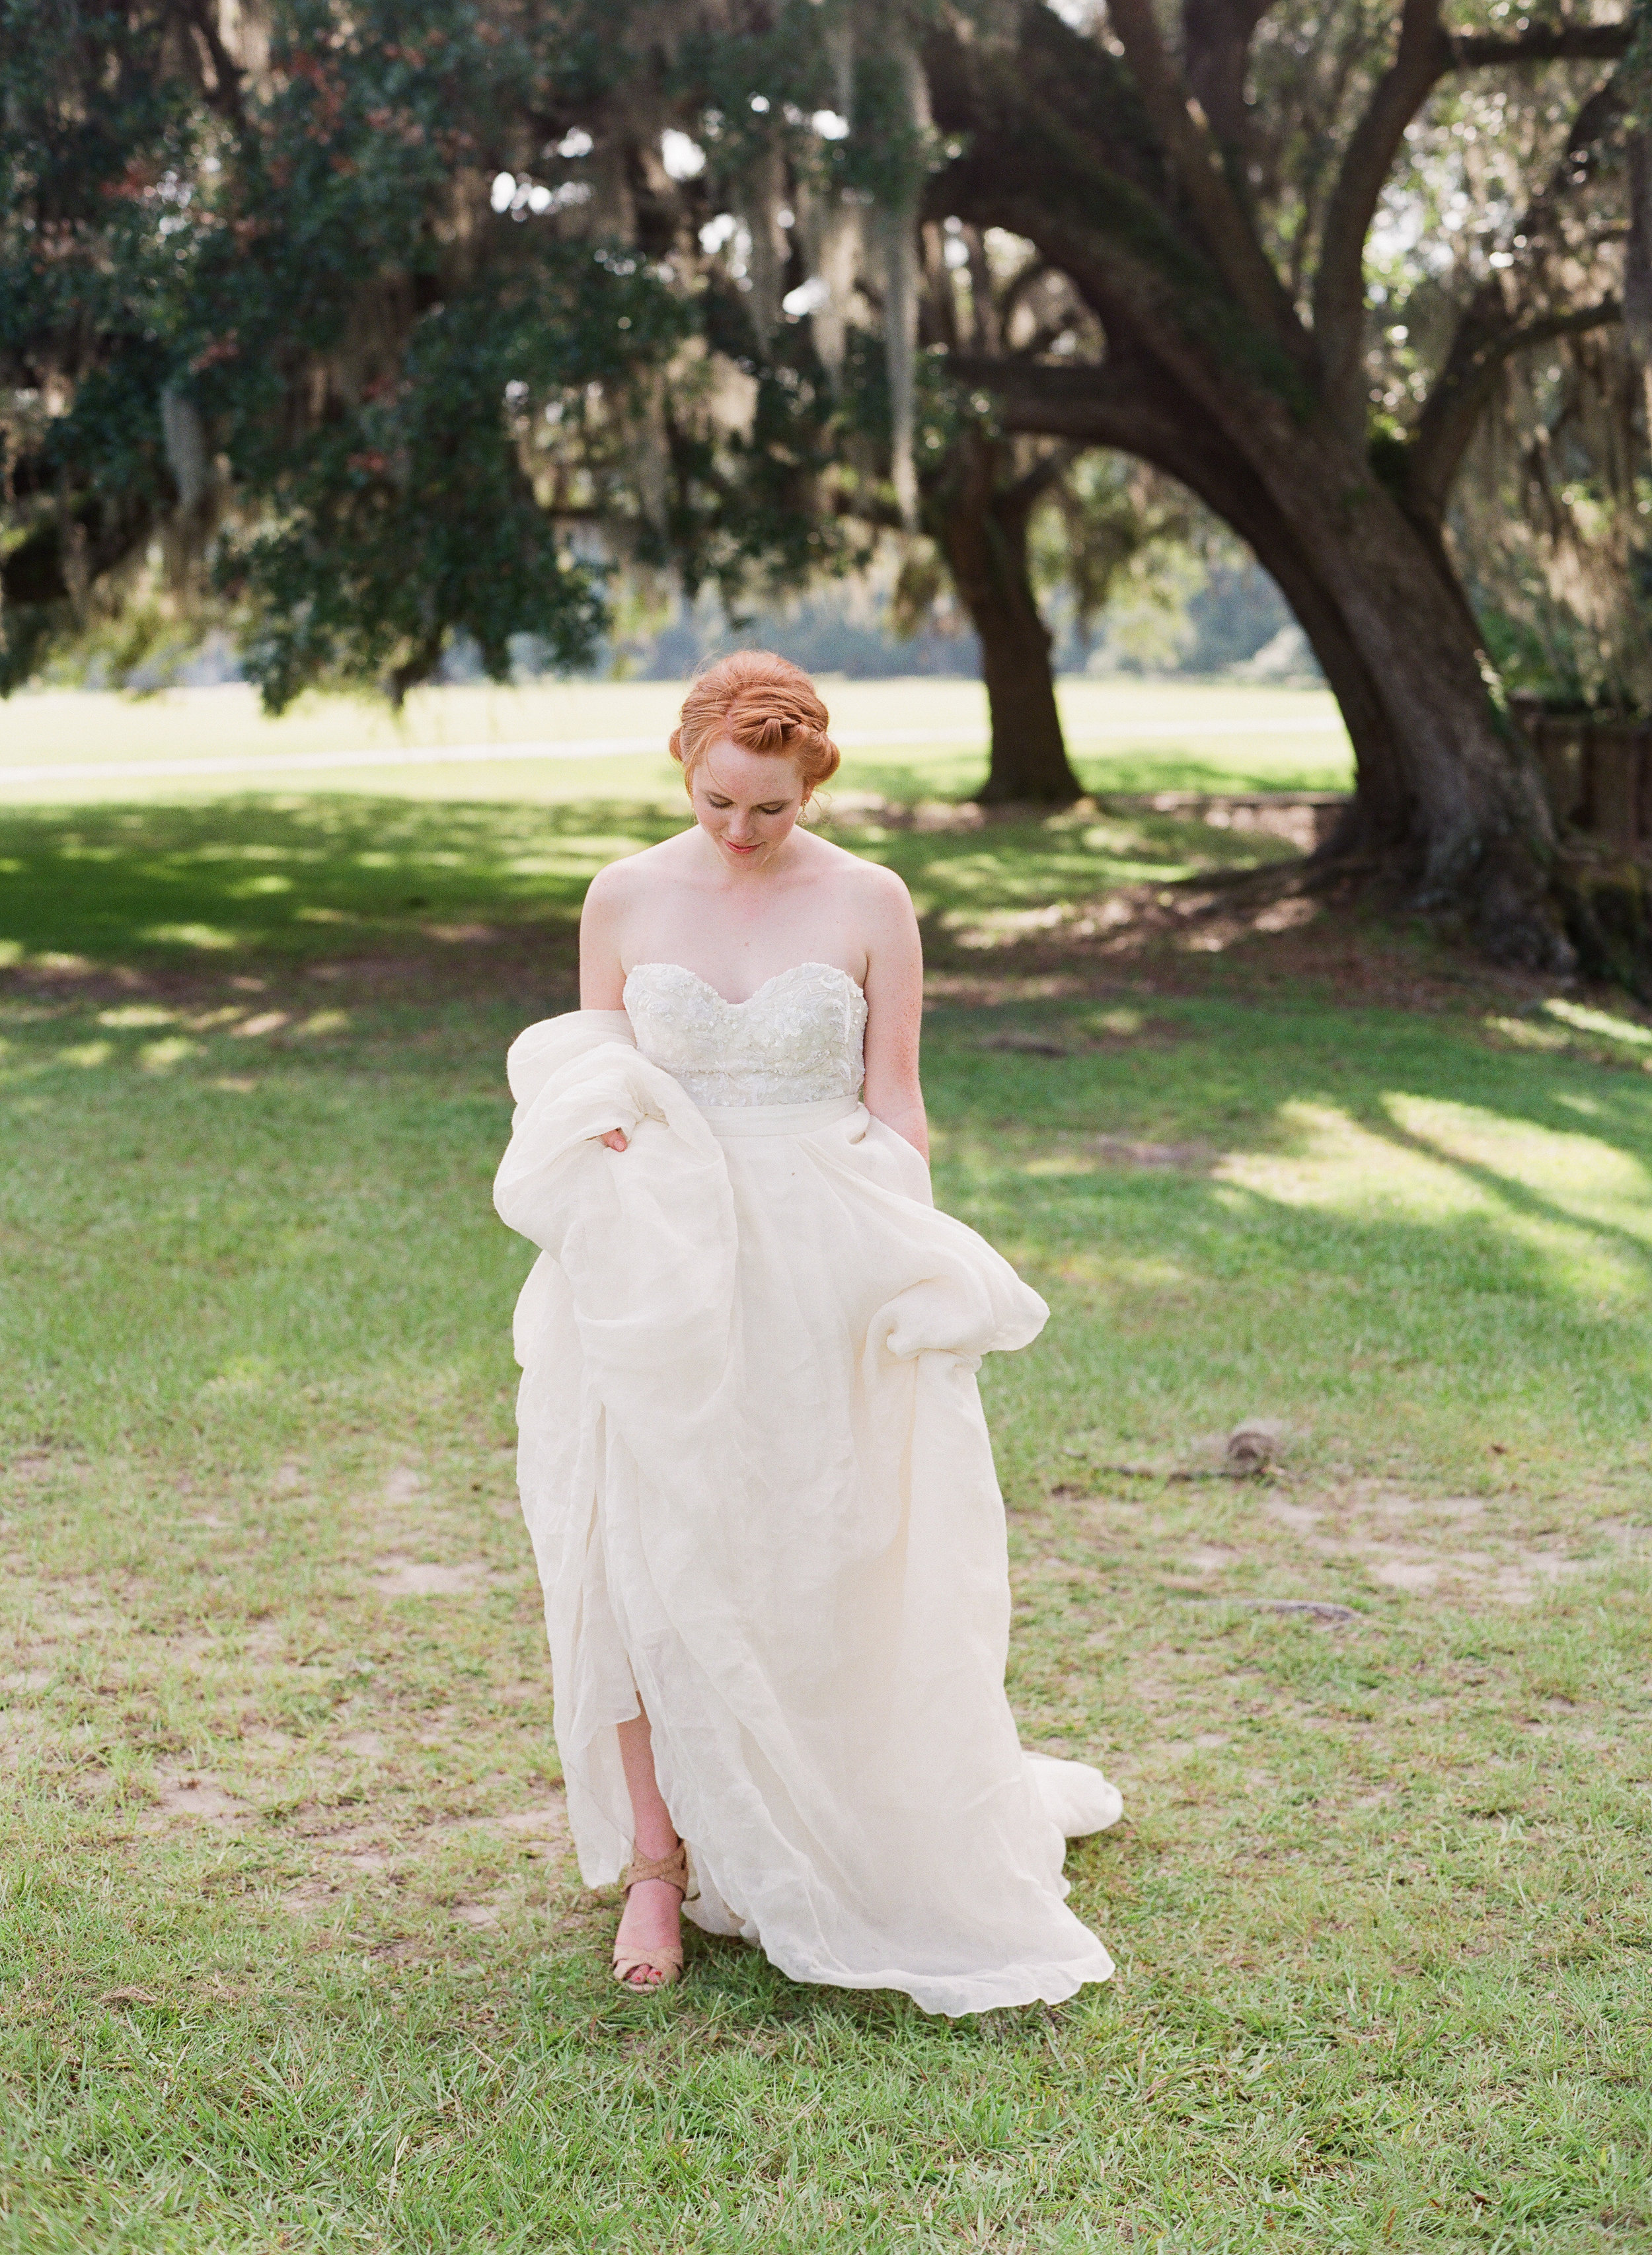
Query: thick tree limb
1339	297
1463	387
1565	43
1197	162
1426	53
1216	37
1059	150
1095	405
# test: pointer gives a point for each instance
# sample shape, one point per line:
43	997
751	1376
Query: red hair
763	703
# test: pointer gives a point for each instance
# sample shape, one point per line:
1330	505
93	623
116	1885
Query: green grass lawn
293	1956
908	738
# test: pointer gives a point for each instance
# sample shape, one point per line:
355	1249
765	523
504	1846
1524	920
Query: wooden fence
1599	774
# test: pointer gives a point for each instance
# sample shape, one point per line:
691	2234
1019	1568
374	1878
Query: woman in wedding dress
752	1456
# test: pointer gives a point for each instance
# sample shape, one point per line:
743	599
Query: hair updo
762	703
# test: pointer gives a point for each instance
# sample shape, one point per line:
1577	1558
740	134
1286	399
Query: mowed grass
293	1953
574	742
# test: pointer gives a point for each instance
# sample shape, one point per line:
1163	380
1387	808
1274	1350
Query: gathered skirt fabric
762	1498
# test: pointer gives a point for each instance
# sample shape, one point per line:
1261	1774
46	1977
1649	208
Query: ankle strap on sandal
673	1868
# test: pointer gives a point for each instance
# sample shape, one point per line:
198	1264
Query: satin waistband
777	1118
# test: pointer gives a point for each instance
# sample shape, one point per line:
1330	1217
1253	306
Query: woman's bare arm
601	973
895	1012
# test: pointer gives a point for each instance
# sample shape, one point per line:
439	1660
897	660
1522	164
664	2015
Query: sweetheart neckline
810	963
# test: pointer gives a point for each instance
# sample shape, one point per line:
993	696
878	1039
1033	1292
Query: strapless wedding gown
761	1493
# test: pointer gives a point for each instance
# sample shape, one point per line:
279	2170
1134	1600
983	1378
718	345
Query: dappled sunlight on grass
1580	1175
394	872
1237	1211
380	868
1327	1159
1450	1162
1609	1023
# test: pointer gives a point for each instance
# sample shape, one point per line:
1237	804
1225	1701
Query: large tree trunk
981	521
1446	793
1110	172
1446	799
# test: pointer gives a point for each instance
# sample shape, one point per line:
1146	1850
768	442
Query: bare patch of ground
1347	1546
1127	1151
193	1796
408	1577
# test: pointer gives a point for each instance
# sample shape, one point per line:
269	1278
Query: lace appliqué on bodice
798	1039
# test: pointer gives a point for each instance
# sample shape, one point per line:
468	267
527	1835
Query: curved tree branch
1132	405
1496	323
1464	388
223	88
1197	161
1339	297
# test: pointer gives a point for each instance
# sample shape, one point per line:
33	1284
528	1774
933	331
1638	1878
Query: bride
753	1460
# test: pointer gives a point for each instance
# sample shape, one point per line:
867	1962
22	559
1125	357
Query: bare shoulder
876	890
618	883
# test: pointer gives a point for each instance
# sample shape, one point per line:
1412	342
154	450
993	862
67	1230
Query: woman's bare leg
652	1909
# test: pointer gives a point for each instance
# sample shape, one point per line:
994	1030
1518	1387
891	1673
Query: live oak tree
1242	197
1209	188
362	329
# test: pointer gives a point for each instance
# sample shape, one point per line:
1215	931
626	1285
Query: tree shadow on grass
303	878
1391	1223
297	878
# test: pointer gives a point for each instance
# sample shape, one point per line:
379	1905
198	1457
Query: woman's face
745	802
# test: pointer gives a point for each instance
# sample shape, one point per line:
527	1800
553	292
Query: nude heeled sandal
667	1960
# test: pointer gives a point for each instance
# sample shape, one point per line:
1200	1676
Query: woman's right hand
614	1139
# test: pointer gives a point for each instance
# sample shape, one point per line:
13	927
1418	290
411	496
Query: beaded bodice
798	1039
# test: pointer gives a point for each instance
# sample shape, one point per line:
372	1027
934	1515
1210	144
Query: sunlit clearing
1570	1199
1582	1174
1600	1022
1336	1162
161	1056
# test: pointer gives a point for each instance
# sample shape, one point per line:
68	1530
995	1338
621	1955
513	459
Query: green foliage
747	510
1553	521
1115	532
305	259
413	516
